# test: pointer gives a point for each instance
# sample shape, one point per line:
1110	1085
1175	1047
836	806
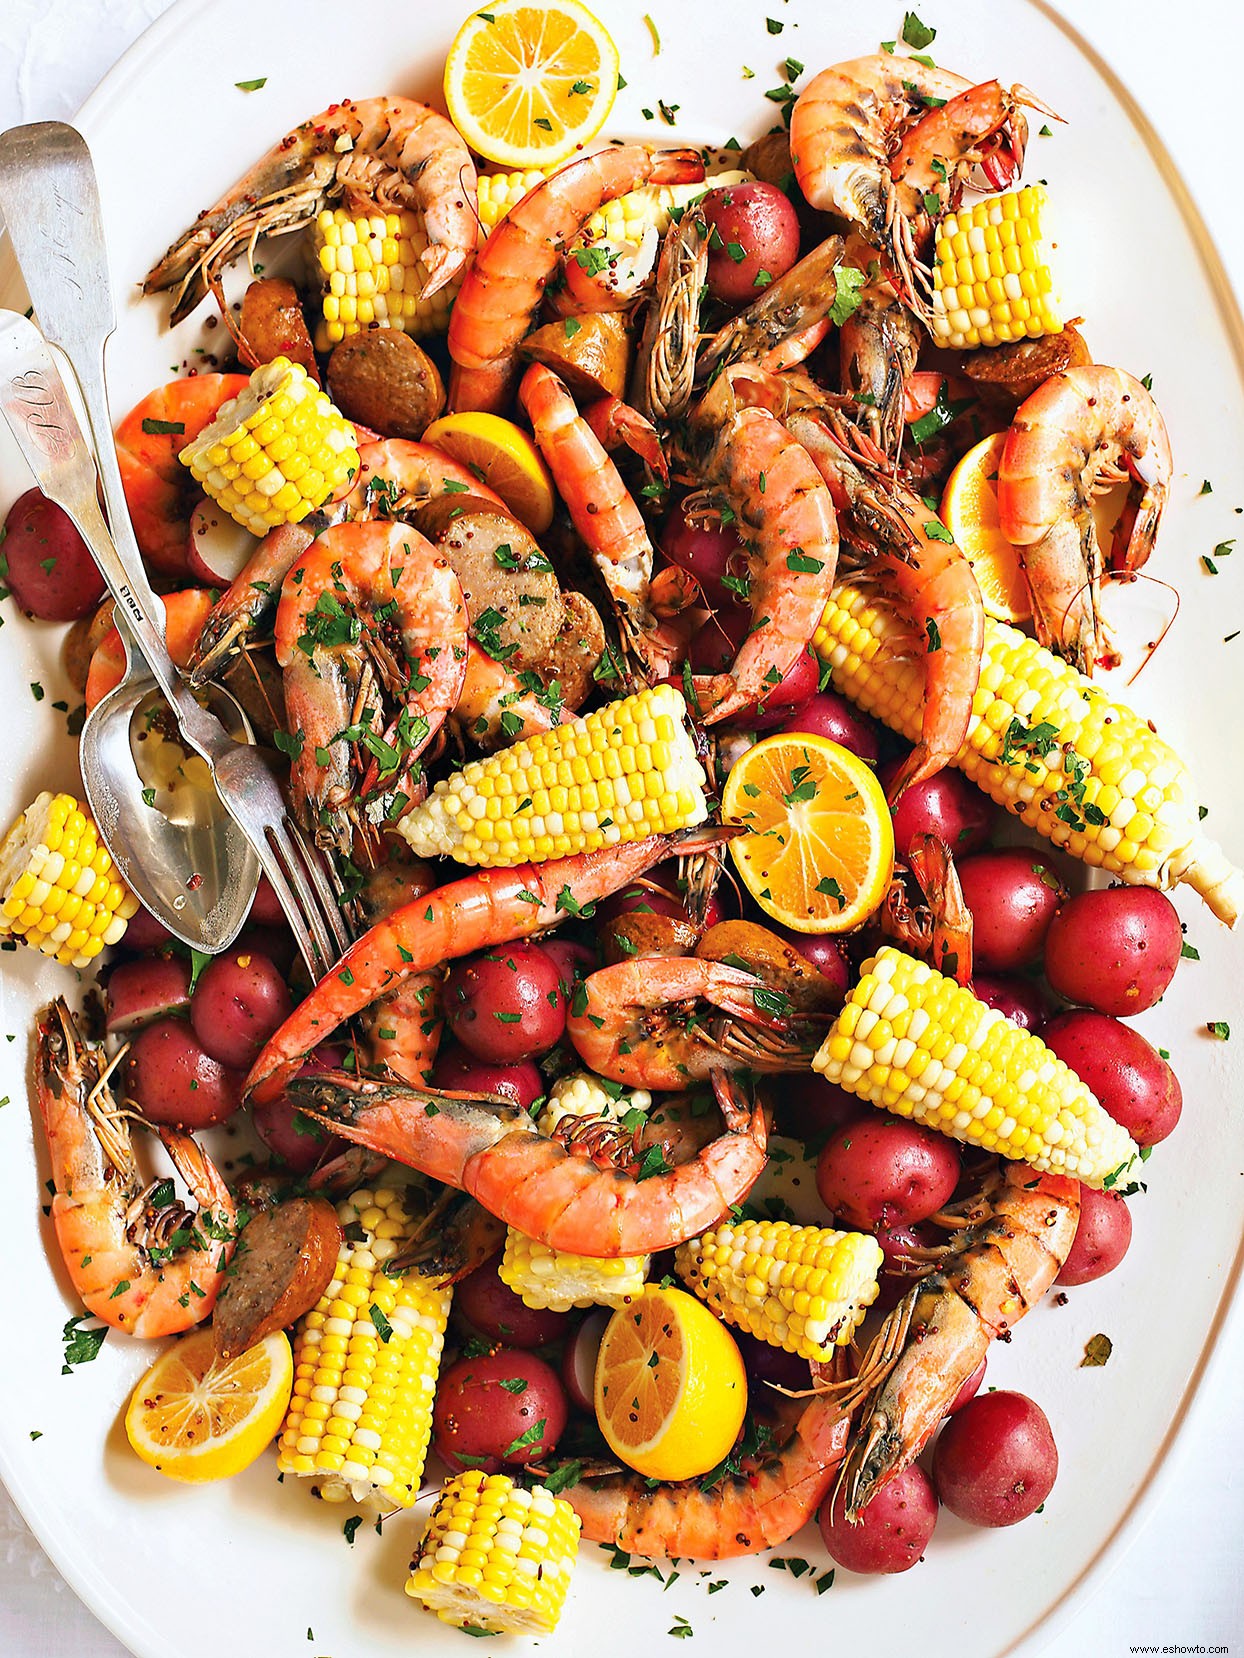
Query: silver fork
50	200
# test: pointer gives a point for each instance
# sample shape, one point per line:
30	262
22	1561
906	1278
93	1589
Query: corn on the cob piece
624	219
371	275
496	1558
804	1288
276	451
365	1365
918	1044
627	771
580	1094
991	283
555	1278
1047	744
58	890
544	1277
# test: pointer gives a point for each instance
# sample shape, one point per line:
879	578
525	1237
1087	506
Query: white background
1181	1583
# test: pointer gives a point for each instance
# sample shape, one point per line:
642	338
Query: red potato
579	1359
219	548
459	1072
50	568
265	910
713	650
289	1134
1012	894
823	951
1131	1079
1019	1000
573	961
969	1390
1103	1236
884	1171
708	554
506	1004
173	1080
892	1532
715	645
828	715
1115	950
502	1409
143	932
147	989
756	240
493	1309
809	1107
766	1363
946	805
661	898
897	1244
240	1000
995	1462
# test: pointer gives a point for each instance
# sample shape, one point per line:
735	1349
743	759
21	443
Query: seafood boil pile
670	582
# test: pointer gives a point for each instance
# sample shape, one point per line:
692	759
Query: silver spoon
171	838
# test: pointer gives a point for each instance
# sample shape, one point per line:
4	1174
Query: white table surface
1180	1586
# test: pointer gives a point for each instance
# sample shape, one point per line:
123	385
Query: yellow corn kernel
554	1278
980	1079
990	282
803	1288
58	889
525	804
366	1359
1057	765
495	1558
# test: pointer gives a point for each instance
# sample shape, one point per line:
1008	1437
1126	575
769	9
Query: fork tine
314	862
288	900
287	848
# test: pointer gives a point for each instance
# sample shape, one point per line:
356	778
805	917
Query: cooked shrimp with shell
574	630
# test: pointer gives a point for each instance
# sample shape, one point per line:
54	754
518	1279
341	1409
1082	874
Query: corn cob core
371	275
919	1045
625	772
365	1365
58	889
804	1288
276	451
555	1278
496	1558
1047	744
991	283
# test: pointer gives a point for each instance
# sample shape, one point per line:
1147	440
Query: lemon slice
970	513
670	1390
819	845
196	1417
502	456
528	85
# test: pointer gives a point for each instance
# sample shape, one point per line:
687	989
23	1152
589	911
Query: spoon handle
50	200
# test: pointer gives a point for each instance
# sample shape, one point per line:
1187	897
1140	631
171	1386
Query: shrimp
486	908
786	517
614	423
160	492
493	699
764	1502
625	1023
851	118
553	1188
396	475
791	309
906	549
123	1244
385	152
603	513
878	345
1081	430
940	931
252	595
337	604
608	276
997	1269
663	379
403	1027
503	288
